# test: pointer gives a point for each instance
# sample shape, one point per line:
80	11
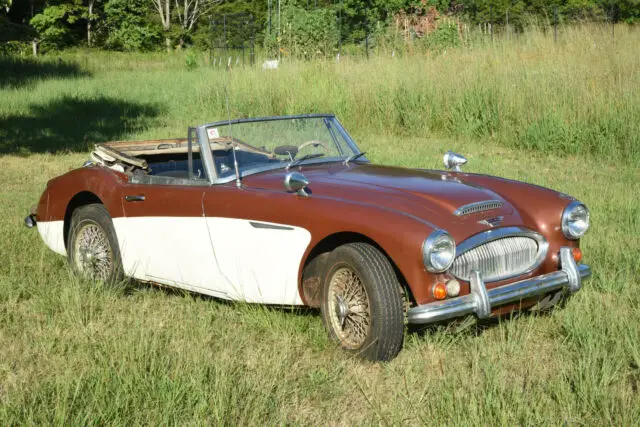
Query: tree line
312	26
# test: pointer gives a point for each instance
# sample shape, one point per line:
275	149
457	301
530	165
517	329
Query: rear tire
362	303
92	247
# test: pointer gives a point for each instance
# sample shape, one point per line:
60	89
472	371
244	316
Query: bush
305	34
54	25
445	36
128	28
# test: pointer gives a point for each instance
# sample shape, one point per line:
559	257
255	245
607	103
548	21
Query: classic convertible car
288	211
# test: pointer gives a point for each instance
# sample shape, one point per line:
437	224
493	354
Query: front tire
362	302
92	248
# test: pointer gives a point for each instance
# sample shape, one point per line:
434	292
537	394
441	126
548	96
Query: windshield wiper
354	157
303	158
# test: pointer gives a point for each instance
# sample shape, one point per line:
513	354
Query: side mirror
453	161
295	182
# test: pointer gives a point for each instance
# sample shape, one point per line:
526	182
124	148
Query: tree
55	25
6	5
188	13
164	10
90	18
129	26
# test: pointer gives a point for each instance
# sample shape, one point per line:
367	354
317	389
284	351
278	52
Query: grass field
560	115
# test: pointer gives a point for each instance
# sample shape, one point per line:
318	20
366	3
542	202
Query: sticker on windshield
213	133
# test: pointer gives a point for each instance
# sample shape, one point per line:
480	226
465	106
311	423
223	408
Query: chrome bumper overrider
481	301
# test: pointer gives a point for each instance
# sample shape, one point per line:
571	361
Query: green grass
74	353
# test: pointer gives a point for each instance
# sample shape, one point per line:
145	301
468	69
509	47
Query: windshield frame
207	156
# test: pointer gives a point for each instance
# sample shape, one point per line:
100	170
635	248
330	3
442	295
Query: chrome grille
499	259
472	208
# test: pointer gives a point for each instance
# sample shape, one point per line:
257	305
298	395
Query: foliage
307	34
307	29
191	60
128	26
443	37
55	24
519	11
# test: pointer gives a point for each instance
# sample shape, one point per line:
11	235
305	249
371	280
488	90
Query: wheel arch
82	198
314	265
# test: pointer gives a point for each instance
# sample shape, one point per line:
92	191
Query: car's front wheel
362	302
92	247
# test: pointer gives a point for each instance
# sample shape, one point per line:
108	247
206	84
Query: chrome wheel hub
349	309
92	252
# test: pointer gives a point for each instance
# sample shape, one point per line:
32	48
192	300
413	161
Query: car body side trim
265	225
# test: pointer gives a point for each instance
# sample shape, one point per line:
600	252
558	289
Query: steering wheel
314	143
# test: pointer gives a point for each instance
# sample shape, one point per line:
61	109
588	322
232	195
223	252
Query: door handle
134	198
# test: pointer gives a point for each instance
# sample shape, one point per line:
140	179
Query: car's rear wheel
92	247
362	302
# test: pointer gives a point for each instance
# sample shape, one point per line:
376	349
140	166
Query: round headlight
575	220
438	251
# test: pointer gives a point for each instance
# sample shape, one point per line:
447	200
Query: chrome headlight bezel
436	244
574	212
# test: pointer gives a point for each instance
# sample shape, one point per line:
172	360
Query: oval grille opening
498	259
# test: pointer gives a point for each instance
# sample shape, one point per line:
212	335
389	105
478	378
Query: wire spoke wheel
349	308
93	254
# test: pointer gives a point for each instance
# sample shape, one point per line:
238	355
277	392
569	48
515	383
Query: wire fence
238	39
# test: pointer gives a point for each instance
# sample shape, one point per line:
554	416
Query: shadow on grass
72	124
470	325
132	286
16	72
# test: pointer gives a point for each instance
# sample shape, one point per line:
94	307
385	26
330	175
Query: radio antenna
233	149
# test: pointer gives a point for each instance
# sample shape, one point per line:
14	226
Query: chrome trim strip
495	234
255	224
474	302
476	207
206	156
267	119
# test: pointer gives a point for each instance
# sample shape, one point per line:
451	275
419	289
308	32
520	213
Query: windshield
274	143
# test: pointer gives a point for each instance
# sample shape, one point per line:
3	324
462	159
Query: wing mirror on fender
295	182
453	161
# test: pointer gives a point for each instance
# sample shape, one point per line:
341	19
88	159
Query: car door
163	236
258	257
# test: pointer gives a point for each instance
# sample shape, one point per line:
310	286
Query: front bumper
481	301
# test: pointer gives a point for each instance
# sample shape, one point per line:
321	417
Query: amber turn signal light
439	291
577	254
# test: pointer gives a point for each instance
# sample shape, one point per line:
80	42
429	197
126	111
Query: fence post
507	24
555	24
613	20
491	22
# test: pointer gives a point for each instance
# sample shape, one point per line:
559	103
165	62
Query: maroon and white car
288	211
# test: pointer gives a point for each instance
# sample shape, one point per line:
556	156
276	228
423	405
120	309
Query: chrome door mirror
453	161
295	182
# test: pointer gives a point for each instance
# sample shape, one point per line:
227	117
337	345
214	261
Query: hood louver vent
472	208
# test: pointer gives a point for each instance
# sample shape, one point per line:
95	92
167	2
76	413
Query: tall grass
576	96
71	353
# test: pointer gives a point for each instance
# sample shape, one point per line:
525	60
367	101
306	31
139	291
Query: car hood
432	196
